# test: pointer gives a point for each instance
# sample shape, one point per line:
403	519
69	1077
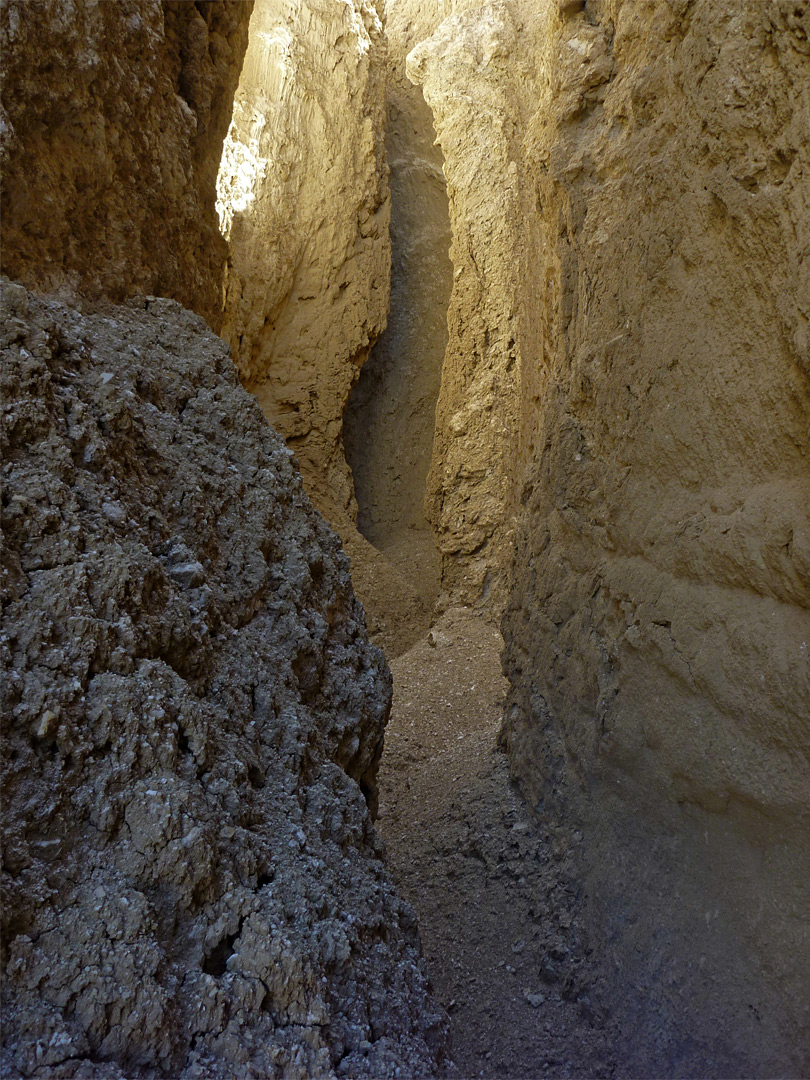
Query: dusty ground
497	913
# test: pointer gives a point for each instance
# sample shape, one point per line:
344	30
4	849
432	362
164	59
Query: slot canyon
405	539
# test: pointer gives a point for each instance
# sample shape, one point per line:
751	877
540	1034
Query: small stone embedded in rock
188	574
46	724
113	511
438	639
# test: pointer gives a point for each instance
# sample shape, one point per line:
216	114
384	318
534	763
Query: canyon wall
193	713
113	117
304	204
659	621
625	418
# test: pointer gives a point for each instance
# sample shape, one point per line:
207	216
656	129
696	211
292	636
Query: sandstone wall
303	199
625	411
192	720
389	425
113	117
659	621
304	204
476	71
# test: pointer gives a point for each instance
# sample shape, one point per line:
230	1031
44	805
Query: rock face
476	72
193	718
304	204
625	412
303	198
389	424
113	117
659	622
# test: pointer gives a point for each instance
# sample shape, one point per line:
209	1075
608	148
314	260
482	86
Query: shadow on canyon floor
492	888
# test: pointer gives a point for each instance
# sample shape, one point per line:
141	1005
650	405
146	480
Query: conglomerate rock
113	117
192	719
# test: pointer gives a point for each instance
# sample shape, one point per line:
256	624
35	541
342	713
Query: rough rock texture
659	625
389	424
192	717
627	374
303	198
113	117
476	71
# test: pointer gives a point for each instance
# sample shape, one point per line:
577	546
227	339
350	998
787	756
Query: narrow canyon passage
388	424
471	337
493	891
495	906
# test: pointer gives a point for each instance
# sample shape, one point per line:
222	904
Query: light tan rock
389	424
476	72
659	623
304	205
113	117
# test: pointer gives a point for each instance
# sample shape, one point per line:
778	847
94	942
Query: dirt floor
490	885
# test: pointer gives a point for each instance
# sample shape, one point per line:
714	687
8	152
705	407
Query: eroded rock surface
192	722
304	202
113	118
389	423
625	408
659	623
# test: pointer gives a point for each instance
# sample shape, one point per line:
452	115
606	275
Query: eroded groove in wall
389	422
480	99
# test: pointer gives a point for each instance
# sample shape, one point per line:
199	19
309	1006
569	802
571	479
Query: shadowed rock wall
113	120
476	79
192	720
624	418
659	621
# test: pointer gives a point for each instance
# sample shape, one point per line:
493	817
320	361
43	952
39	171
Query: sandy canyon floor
490	884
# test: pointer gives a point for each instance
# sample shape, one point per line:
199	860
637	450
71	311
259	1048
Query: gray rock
192	883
